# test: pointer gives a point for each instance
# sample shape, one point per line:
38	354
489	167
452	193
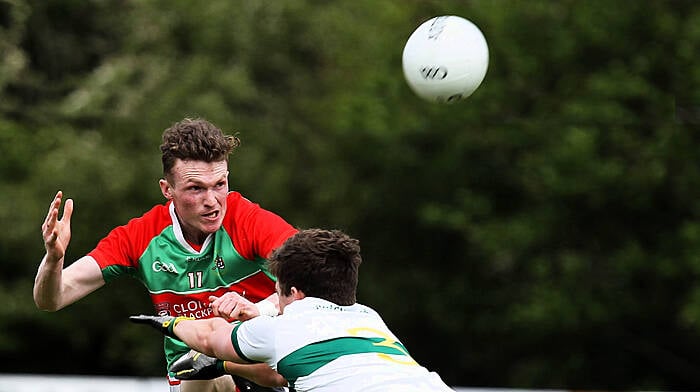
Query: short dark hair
321	263
197	140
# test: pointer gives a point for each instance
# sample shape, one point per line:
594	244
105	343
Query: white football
445	59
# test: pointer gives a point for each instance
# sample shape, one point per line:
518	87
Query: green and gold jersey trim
234	340
308	359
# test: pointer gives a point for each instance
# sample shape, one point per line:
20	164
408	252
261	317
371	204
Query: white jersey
320	346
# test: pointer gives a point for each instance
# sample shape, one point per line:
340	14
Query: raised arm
54	286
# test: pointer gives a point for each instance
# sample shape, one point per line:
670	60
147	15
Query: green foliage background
543	233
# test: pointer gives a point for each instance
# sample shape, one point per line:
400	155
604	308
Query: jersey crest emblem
218	263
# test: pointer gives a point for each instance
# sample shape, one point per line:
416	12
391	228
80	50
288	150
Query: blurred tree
543	233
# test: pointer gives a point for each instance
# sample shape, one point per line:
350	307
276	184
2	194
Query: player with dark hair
201	254
323	340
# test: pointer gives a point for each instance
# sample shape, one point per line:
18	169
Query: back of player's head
320	263
195	140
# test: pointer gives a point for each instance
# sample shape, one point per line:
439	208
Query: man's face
198	190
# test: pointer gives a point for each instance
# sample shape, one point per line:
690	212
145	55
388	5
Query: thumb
141	319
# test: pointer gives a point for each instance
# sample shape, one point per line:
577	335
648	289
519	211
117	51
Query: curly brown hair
197	140
320	263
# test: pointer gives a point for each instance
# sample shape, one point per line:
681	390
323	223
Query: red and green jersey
179	278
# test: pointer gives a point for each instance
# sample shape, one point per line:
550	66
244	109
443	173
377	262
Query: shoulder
237	204
254	230
159	212
255	331
158	215
243	214
130	239
363	309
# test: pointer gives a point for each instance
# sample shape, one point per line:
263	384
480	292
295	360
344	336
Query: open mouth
211	215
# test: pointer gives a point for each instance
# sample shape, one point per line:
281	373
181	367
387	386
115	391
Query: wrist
51	261
267	308
170	326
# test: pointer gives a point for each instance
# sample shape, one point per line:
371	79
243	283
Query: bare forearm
47	285
260	373
211	337
56	287
197	334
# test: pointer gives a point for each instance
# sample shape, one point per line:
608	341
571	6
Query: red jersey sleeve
123	246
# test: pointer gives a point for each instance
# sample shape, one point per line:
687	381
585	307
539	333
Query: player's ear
166	189
297	294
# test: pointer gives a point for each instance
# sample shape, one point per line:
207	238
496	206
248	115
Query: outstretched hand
164	324
57	232
197	366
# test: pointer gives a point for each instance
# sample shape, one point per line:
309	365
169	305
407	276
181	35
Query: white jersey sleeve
254	340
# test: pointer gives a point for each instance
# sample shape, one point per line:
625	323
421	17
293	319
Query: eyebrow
222	177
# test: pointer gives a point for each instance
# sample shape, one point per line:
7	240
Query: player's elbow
46	304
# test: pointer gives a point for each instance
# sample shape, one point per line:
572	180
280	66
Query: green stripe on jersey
234	340
308	359
112	272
